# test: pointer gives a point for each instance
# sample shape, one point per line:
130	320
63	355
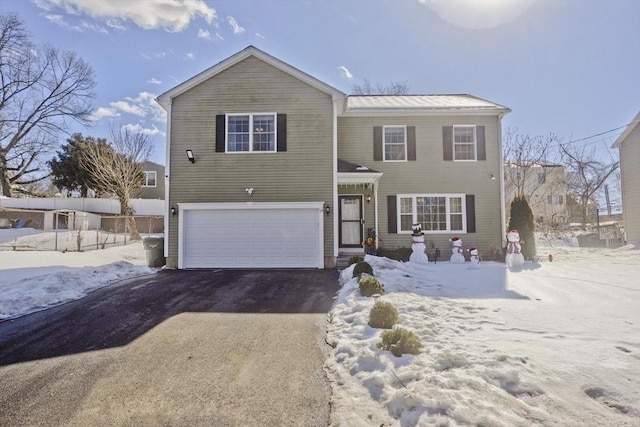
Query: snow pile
32	281
501	348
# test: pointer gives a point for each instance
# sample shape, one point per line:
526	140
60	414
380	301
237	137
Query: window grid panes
406	213
251	132
150	179
394	143
434	213
464	143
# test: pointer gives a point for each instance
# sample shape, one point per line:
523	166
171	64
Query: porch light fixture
190	156
173	210
368	198
492	177
327	210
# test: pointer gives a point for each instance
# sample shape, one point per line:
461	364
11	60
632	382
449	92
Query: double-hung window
395	143
150	178
555	199
251	132
434	212
464	143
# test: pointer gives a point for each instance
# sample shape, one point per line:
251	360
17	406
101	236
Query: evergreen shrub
362	267
522	220
400	341
383	315
369	286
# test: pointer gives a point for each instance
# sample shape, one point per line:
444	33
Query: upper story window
555	199
395	143
150	179
542	177
464	143
251	132
435	212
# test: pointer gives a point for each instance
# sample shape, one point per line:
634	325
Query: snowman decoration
418	248
514	257
474	257
457	256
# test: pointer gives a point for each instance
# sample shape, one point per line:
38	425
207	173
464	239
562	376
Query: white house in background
628	143
545	188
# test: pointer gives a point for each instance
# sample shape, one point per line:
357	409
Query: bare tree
531	172
117	168
585	174
393	88
41	89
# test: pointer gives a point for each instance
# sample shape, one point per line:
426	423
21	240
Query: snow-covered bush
362	267
383	315
369	286
400	341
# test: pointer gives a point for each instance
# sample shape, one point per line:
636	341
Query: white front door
350	221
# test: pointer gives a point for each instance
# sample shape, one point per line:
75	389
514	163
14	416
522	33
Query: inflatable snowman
457	256
474	257
514	257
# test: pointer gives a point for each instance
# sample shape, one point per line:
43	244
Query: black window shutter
282	132
392	215
471	213
481	145
377	143
447	142
220	133
411	142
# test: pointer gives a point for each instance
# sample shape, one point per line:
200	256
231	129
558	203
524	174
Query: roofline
165	99
630	127
489	110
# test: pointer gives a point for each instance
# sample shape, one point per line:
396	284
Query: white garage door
251	235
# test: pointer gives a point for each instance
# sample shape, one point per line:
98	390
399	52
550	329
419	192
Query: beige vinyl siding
630	170
430	174
301	174
156	192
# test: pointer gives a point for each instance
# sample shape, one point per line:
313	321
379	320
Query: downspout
167	180
335	178
503	213
375	206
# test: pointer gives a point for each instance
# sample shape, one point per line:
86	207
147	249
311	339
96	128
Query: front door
350	215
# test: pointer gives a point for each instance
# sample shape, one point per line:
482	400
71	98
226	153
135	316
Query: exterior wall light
173	210
368	198
492	177
327	210
190	156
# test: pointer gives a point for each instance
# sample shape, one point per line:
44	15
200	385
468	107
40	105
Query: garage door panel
251	238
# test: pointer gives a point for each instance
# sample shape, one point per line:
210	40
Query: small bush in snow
362	267
355	259
369	286
383	315
400	341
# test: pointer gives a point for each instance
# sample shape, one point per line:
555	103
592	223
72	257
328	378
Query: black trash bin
154	247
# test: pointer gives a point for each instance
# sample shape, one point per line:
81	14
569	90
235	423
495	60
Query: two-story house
628	143
268	166
153	185
545	189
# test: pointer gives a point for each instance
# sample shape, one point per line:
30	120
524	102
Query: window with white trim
464	143
150	179
394	141
434	212
555	199
251	132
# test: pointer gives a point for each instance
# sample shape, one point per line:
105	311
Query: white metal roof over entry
251	235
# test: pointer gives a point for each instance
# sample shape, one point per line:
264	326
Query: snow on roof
420	102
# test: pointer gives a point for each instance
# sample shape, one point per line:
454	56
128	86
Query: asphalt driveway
196	348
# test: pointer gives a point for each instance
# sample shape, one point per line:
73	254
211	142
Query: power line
603	133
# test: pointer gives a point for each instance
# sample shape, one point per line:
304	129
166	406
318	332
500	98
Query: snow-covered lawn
556	343
35	280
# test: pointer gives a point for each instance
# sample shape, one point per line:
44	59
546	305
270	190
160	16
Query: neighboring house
269	167
153	187
544	187
629	145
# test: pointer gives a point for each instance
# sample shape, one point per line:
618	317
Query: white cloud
219	37
345	72
96	28
115	24
59	20
103	113
154	81
138	128
204	34
190	55
128	108
260	36
237	29
170	15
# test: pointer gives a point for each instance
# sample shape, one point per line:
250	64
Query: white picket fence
108	206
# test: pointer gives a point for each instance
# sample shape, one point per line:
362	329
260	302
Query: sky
551	343
571	67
